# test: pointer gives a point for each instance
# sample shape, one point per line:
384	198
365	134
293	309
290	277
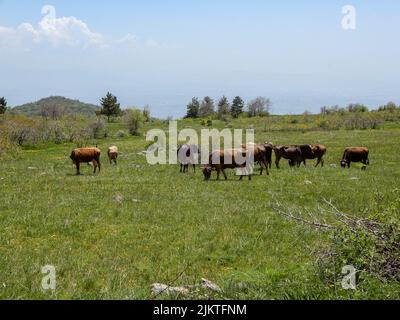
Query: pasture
112	235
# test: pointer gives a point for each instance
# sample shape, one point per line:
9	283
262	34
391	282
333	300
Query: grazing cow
292	153
355	154
262	154
228	159
188	155
86	155
113	154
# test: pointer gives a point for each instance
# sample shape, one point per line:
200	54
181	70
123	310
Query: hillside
63	105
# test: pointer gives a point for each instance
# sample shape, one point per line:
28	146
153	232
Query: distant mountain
65	105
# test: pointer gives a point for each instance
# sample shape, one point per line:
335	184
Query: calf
86	155
228	159
188	155
355	154
113	154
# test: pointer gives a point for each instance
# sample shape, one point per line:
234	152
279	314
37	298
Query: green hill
62	104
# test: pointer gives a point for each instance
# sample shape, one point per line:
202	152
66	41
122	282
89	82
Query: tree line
357	108
259	106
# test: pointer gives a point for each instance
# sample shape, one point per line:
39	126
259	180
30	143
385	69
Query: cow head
207	173
72	157
343	163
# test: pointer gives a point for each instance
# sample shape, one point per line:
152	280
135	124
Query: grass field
110	236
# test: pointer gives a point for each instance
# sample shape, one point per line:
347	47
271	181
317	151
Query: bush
134	119
121	134
96	129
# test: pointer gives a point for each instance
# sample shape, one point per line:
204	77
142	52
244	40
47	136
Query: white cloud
63	31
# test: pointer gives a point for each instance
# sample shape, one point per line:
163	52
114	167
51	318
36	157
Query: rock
307	182
210	285
159	288
118	198
333	165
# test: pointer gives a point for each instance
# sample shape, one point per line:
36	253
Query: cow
355	154
188	155
291	153
113	154
86	155
313	151
228	159
262	154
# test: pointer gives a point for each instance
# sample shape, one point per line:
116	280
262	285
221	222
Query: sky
164	52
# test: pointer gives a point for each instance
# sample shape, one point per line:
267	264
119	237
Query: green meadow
112	235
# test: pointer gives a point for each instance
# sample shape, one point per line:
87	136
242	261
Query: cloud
63	31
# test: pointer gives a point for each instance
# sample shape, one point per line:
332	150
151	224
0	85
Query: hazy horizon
163	53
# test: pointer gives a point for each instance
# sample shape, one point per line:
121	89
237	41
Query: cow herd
249	154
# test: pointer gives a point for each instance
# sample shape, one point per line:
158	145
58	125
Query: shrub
134	120
121	134
96	129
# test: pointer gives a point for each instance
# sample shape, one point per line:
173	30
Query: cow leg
78	172
98	164
278	159
318	162
194	168
224	173
218	173
95	165
266	167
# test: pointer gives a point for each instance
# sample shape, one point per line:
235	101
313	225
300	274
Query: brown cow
313	151
291	153
307	151
355	154
86	155
227	159
262	154
113	154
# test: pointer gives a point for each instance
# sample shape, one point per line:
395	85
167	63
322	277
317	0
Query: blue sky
164	52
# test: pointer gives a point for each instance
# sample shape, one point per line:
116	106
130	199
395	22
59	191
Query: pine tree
110	106
3	105
237	107
193	109
223	106
207	107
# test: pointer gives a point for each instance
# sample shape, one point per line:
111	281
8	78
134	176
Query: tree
52	110
110	106
134	119
357	107
390	106
223	107
147	113
3	105
237	107
193	109
259	107
207	107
